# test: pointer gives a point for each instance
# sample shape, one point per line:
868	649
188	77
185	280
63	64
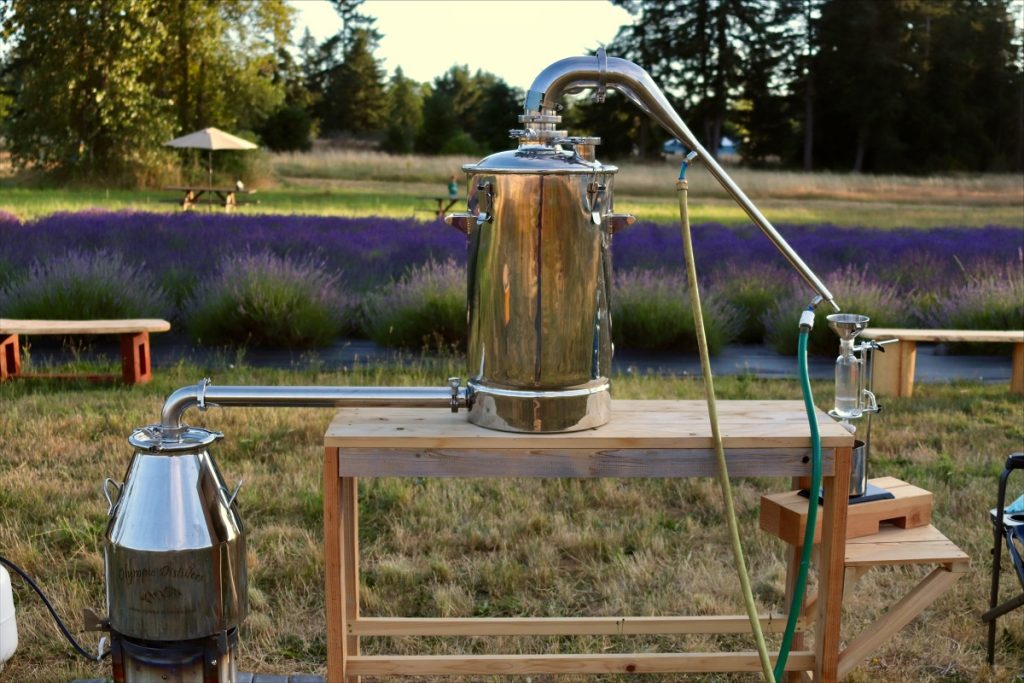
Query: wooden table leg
1017	370
136	366
10	357
894	368
334	576
832	569
792	569
350	561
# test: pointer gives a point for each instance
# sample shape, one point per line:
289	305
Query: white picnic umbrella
210	139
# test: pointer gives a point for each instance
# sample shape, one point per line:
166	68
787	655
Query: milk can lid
540	159
157	438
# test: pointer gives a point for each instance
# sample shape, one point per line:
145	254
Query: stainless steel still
539	269
174	546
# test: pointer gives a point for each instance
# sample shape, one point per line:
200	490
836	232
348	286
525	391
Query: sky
513	39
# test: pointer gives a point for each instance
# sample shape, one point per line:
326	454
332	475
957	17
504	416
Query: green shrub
84	285
992	299
854	290
266	300
752	290
426	309
651	311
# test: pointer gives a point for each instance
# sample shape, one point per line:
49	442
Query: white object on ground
8	626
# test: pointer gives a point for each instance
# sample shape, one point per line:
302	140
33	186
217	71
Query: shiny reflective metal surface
539	269
204	394
174	547
859	469
206	660
599	72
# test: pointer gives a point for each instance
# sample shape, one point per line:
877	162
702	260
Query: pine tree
355	97
405	114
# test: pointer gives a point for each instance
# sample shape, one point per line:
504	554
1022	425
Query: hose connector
807	317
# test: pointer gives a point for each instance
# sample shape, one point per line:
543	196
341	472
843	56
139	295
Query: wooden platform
644	439
785	514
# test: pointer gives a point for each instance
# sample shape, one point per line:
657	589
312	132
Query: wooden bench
136	367
894	369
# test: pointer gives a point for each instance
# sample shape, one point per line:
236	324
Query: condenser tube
599	71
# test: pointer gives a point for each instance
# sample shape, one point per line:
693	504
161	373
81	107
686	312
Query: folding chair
1011	529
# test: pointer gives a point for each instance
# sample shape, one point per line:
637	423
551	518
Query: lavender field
922	276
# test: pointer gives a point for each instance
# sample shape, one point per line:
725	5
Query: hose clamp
453	383
201	393
602	68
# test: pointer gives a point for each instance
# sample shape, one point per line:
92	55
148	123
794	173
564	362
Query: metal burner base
204	660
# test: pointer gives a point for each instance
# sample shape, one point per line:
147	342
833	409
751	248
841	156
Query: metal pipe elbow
181	400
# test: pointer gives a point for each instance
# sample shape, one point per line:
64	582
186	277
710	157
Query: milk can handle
107	483
234	494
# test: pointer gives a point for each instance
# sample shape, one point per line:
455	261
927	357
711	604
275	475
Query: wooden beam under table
575	462
559	626
489	665
912	604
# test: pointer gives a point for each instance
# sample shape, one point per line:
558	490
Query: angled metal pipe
599	72
204	394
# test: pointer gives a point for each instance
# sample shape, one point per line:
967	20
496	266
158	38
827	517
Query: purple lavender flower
84	285
261	299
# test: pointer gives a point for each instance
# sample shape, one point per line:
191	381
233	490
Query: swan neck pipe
203	395
599	72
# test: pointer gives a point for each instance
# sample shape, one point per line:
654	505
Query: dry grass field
491	547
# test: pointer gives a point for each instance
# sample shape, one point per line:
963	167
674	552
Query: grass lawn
491	547
364	184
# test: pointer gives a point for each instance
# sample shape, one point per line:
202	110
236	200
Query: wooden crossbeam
546	626
484	665
901	614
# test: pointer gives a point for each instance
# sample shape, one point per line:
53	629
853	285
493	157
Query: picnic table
194	192
442	206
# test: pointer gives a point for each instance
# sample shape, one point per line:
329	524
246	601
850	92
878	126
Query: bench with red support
136	366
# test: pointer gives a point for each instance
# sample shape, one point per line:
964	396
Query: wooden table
644	439
443	205
194	192
894	369
136	363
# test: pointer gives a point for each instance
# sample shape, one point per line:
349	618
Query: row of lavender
304	280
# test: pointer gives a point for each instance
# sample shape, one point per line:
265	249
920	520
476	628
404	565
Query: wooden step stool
890	545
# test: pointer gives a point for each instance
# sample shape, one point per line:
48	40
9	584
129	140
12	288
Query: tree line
864	85
93	88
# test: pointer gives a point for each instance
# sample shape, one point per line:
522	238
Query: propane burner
204	660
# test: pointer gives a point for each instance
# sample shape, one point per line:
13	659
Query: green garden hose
723	470
806	321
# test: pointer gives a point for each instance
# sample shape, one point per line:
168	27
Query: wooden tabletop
128	326
943	335
634	425
202	188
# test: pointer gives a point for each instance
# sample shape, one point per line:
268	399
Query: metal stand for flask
861	491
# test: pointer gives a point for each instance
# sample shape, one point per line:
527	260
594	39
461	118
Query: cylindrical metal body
175	551
539	269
